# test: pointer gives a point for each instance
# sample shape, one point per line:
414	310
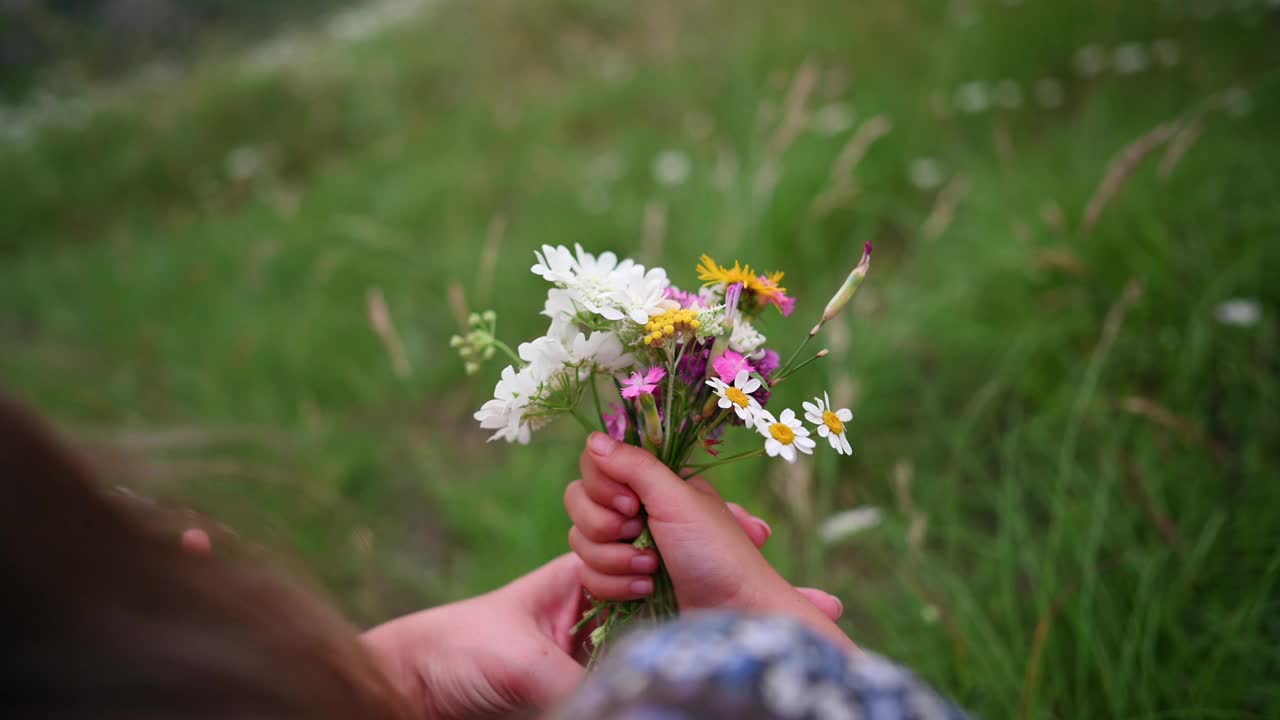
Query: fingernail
626	505
641	587
632	528
644	563
601	444
839	604
768	531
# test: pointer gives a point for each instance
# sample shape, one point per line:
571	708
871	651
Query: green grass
1095	469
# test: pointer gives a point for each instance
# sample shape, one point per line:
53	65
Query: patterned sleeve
718	665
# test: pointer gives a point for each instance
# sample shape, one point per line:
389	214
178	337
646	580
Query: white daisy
505	412
738	396
784	435
830	422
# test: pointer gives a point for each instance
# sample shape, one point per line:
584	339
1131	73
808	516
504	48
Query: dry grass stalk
458	306
903	472
1178	147
385	329
795	118
1121	169
654	231
489	256
1162	416
944	208
843	186
1052	215
1140	491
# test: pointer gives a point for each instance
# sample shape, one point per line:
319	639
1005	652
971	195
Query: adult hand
713	563
490	655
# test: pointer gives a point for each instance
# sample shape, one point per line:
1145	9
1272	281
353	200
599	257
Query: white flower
784	435
505	412
830	422
602	285
640	295
602	351
849	522
745	338
546	357
738	395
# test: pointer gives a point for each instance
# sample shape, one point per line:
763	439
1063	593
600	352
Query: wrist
390	650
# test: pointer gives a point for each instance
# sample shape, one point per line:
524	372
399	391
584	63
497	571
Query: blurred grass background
1063	366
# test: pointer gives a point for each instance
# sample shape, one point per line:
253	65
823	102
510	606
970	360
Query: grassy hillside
1063	367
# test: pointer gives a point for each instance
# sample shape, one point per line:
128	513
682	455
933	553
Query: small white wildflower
1238	312
738	396
745	338
849	522
1089	60
1237	101
671	167
832	119
972	97
925	173
830	422
784	435
1130	58
1050	93
506	411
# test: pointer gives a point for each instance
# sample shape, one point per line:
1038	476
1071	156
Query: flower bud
652	422
847	290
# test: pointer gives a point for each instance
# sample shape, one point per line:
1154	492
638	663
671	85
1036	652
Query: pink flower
636	385
785	303
728	365
615	422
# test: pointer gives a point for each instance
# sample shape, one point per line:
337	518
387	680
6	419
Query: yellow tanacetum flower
669	323
712	273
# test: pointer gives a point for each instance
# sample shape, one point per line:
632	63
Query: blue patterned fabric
719	665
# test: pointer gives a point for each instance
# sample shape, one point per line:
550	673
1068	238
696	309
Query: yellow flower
669	323
712	273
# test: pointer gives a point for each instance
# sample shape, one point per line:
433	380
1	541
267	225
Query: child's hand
710	549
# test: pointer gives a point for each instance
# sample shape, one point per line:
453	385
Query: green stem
731	459
783	376
595	397
794	355
581	420
507	349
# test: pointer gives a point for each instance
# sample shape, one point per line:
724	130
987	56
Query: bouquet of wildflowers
666	369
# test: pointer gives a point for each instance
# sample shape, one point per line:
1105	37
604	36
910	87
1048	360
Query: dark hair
106	616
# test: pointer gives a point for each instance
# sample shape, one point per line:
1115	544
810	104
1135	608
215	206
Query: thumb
553	678
663	493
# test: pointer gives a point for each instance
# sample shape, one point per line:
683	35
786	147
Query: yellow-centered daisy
784	435
830	422
737	397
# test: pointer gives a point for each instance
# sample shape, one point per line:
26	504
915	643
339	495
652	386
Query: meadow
237	283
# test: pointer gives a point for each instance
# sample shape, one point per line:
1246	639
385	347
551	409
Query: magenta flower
615	422
637	385
728	365
686	299
768	364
